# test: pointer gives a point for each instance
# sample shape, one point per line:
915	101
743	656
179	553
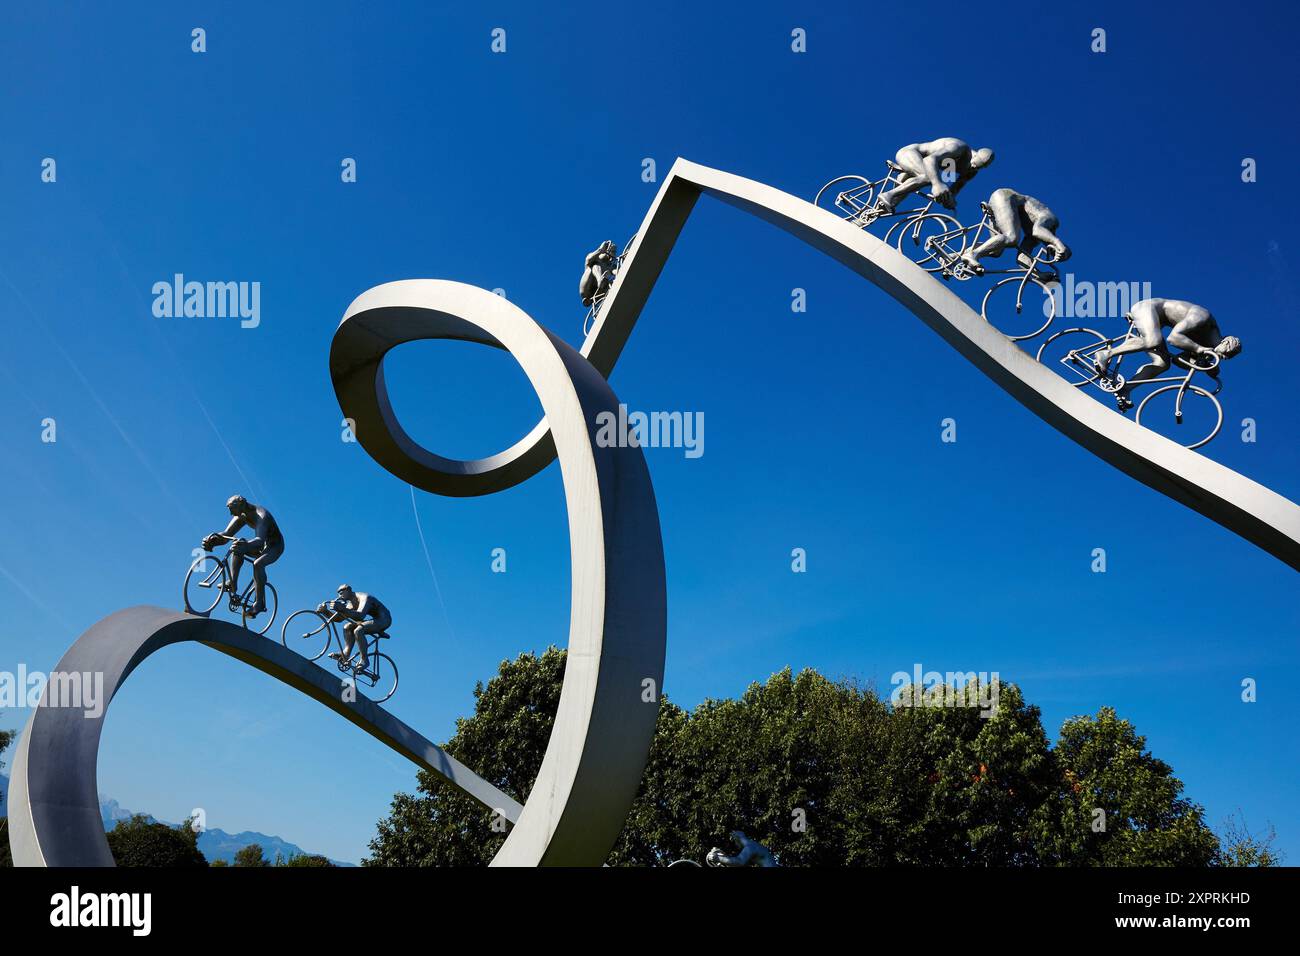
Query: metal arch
601	737
1239	504
618	619
54	817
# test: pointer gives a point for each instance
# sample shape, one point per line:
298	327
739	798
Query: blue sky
822	428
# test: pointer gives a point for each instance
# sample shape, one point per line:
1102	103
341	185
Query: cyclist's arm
966	176
261	532
236	523
1180	340
932	170
344	609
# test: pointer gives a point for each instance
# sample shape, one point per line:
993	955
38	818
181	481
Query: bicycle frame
371	642
864	214
222	570
955	267
1082	360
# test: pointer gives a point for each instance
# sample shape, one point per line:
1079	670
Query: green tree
503	742
251	855
6	857
826	774
141	842
1118	805
305	859
961	785
1239	847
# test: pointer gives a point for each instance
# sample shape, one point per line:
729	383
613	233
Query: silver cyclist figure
356	607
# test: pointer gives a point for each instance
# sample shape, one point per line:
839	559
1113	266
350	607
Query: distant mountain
213	843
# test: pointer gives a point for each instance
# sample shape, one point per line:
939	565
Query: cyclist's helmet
1229	346
345	589
236	503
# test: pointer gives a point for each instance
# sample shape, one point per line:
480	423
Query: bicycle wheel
1029	312
848	197
921	239
385	684
203	585
267	617
1069	354
303	630
1201	414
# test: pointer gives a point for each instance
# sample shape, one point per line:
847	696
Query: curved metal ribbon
54	818
618	617
605	720
1239	504
617	628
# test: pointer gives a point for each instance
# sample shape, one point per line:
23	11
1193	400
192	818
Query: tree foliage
829	774
138	841
6	859
251	855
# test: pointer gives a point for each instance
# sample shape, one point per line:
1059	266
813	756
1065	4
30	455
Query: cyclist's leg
910	180
364	632
1004	228
349	638
1043	228
1145	337
267	557
236	563
1159	364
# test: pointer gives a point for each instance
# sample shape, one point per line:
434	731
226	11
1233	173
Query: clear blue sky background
822	428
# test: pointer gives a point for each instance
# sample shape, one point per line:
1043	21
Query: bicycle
321	620
599	297
942	250
211	573
1081	345
858	202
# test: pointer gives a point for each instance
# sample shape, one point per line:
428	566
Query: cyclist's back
370	606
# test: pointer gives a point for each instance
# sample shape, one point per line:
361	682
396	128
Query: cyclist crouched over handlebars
357	607
1192	329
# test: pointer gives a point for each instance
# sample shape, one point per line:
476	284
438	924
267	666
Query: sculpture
925	164
1192	329
266	545
605	720
597	271
356	608
750	853
1021	222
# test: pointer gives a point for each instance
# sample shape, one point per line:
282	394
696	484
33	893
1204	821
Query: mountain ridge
214	843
